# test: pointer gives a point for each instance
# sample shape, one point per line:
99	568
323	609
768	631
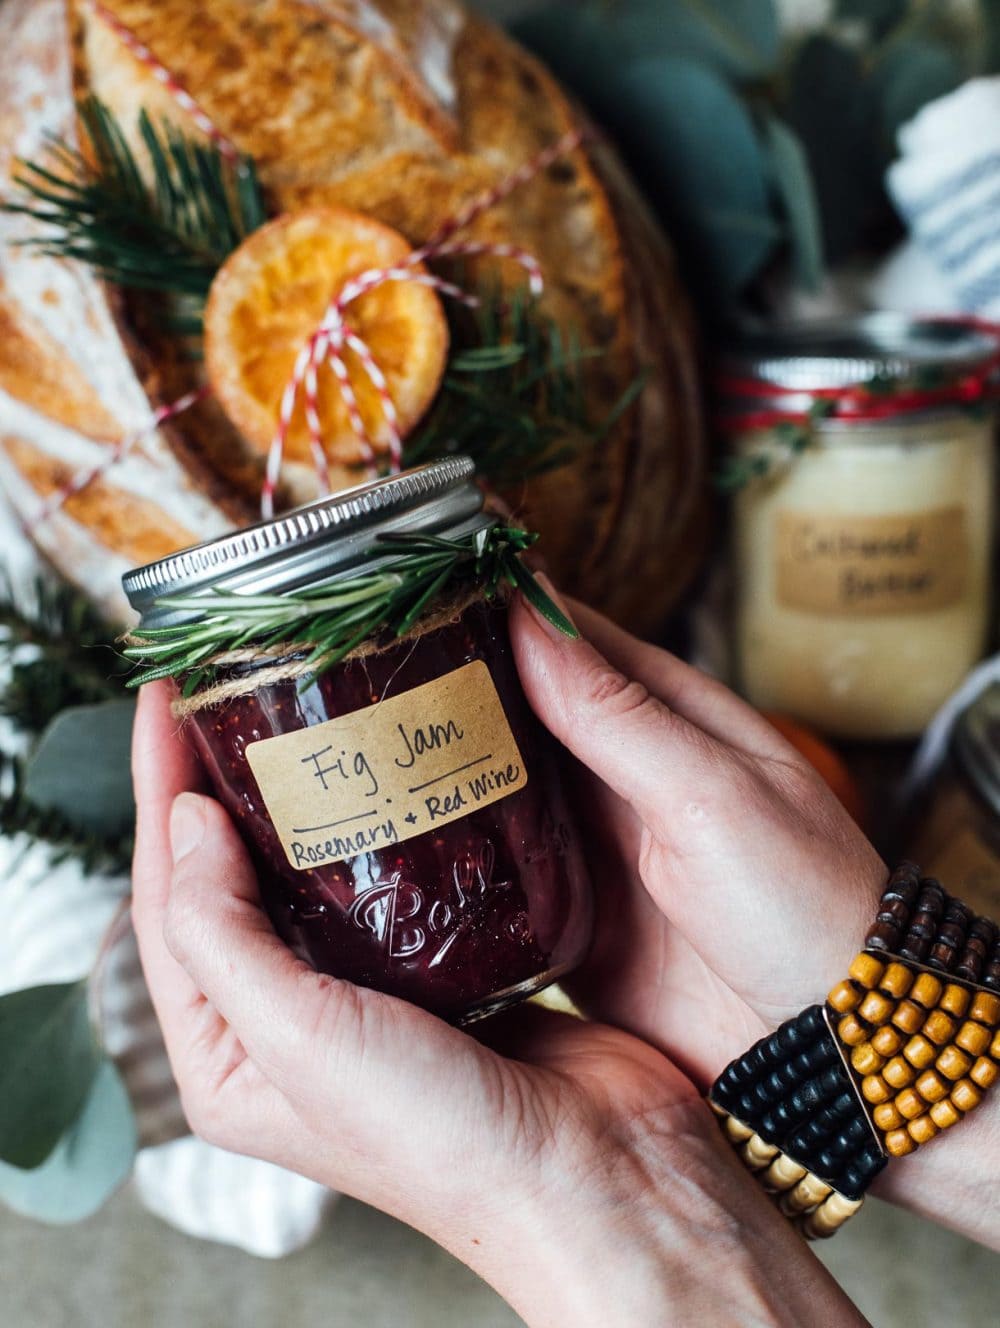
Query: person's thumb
651	756
355	1056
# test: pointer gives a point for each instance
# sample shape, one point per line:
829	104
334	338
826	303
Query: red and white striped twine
85	478
334	336
163	76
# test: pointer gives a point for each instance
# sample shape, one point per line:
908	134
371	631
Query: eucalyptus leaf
48	1059
794	186
80	767
831	106
583	42
989	36
87	1165
912	72
580	44
694	146
741	38
880	16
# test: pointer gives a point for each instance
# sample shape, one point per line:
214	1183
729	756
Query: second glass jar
862	562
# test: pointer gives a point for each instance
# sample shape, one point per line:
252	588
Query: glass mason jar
862	555
954	828
404	809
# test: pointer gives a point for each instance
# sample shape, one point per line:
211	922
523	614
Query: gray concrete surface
125	1269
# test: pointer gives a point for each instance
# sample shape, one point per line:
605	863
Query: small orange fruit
824	760
270	296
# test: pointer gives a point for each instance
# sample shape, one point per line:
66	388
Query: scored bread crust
404	109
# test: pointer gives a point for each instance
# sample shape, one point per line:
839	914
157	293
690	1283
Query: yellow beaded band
923	1049
906	1046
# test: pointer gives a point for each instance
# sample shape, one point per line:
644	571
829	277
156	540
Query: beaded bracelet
904	1048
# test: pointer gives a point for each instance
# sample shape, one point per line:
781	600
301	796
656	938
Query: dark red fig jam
404	809
462	919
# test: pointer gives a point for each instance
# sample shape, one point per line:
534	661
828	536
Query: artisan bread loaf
404	109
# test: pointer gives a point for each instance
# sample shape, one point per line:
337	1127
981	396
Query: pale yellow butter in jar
862	552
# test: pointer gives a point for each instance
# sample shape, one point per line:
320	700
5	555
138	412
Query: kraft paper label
383	774
851	566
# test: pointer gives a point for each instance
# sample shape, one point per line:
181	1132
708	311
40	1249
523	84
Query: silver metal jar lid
846	352
975	746
314	544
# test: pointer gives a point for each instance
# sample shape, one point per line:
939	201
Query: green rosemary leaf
736	472
487	359
327	623
623	405
537	597
422	600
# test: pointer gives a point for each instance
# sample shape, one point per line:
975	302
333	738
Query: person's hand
733	888
585	1178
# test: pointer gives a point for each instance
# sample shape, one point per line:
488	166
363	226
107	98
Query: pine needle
514	396
97	208
56	651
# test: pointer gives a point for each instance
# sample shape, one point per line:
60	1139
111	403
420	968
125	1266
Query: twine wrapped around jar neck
289	666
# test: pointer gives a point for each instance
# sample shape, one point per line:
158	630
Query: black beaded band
904	1047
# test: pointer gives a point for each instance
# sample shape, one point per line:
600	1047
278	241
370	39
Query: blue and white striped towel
946	185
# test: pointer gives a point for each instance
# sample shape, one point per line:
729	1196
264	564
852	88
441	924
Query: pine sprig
325	623
172	237
789	441
63	839
56	651
514	396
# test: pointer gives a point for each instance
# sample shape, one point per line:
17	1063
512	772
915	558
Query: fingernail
558	601
187	825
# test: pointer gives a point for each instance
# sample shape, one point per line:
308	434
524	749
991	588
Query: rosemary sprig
790	439
514	396
172	237
325	623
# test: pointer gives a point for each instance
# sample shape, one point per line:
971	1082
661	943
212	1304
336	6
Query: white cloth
934	743
946	186
54	922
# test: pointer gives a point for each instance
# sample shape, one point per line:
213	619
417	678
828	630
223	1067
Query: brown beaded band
907	1045
921	924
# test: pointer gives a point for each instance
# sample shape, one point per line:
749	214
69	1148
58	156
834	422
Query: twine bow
334	336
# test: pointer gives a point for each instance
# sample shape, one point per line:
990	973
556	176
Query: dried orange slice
269	298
